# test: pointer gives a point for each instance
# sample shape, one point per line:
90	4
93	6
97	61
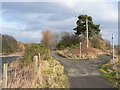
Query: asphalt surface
84	73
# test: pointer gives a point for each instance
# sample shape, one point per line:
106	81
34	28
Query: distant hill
9	44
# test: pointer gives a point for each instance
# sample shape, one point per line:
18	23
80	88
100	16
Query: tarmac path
84	73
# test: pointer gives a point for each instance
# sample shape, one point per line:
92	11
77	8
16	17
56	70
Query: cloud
20	33
35	7
25	18
59	1
108	35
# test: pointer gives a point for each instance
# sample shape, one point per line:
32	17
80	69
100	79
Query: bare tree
55	39
47	37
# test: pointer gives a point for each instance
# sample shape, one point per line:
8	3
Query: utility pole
80	49
113	47
87	31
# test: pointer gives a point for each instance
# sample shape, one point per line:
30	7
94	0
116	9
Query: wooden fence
36	60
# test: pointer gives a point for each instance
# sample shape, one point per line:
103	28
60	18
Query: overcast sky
26	20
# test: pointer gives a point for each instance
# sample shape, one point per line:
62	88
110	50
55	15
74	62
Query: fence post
35	60
39	56
5	66
80	50
39	59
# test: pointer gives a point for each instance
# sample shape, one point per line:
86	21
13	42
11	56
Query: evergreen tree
93	29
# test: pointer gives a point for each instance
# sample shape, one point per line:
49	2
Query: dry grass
50	74
112	73
87	53
20	76
53	75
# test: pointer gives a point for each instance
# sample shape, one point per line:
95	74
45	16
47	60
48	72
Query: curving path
84	73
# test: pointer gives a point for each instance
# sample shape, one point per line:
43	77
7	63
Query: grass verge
54	76
50	72
109	73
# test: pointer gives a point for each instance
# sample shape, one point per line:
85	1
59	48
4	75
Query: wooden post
87	33
39	59
5	66
39	56
113	48
35	60
80	49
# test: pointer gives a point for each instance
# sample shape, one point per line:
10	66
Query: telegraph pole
113	47
87	31
80	49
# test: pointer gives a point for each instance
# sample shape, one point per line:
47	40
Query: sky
25	20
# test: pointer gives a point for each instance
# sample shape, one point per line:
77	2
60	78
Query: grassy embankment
69	47
86	53
111	71
50	72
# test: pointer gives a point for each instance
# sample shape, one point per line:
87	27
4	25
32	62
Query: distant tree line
9	44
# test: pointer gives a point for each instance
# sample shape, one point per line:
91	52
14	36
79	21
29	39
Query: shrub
53	75
46	38
68	39
99	43
74	46
60	46
110	74
9	44
34	49
108	46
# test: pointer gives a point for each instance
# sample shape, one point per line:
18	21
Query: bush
34	49
47	38
110	74
99	43
60	46
108	46
9	44
74	46
53	75
68	39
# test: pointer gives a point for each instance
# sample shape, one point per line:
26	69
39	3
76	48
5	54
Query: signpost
113	48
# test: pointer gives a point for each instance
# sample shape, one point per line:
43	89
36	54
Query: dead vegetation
50	74
19	75
46	37
86	53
